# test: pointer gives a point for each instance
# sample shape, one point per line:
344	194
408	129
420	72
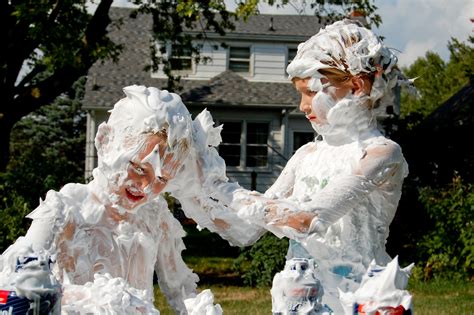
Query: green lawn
435	297
442	297
213	262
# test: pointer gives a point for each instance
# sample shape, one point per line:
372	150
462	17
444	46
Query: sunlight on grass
434	297
442	297
234	300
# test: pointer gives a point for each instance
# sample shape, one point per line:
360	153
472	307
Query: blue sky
411	26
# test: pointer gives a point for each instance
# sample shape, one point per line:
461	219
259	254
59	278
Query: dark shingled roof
292	25
106	80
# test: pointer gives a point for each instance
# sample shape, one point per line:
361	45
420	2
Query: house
244	86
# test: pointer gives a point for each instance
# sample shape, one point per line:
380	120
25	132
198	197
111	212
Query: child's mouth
134	195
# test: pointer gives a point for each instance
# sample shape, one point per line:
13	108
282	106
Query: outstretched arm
382	166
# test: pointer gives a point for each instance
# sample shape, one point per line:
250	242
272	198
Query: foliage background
47	151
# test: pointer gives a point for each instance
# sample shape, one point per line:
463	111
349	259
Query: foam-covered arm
203	189
382	166
220	219
176	280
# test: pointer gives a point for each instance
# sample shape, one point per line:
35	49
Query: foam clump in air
382	291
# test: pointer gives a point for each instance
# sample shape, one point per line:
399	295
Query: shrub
447	251
259	263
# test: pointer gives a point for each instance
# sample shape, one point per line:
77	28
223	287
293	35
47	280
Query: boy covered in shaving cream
109	236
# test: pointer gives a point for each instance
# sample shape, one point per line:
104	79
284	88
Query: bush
259	263
447	251
13	209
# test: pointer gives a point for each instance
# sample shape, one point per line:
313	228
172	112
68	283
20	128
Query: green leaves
448	248
262	261
47	152
437	80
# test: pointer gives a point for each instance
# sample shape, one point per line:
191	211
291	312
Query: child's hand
299	221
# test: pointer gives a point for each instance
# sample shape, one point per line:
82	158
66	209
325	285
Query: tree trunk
6	125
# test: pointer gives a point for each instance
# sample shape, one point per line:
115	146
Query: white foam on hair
349	47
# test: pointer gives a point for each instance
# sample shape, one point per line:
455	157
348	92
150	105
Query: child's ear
358	86
103	137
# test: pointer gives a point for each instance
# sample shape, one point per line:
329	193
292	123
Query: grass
213	262
442	297
234	300
434	297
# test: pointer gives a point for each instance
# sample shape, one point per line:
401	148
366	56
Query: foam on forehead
142	112
149	110
343	45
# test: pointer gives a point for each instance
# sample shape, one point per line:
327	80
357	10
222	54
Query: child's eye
137	169
162	179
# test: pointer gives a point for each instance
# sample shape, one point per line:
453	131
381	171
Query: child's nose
305	106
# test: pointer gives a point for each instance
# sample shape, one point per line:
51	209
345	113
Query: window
301	138
244	144
292	54
257	152
229	149
239	59
180	58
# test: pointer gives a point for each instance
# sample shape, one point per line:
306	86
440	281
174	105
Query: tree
47	152
437	80
431	132
59	41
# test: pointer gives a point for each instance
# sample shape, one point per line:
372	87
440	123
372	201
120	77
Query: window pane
239	59
257	156
230	154
301	138
180	64
239	66
180	50
231	132
257	133
291	54
180	57
239	52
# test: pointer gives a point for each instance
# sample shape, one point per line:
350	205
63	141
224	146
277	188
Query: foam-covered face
147	174
318	96
140	147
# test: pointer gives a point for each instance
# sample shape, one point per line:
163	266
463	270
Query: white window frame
249	59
